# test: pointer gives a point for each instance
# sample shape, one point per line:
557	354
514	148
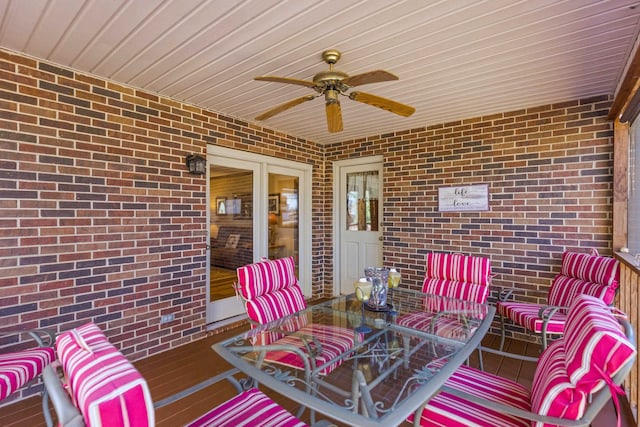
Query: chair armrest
505	294
546	312
240	386
44	337
507	354
306	340
67	413
490	278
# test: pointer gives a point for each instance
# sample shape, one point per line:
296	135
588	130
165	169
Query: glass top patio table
399	359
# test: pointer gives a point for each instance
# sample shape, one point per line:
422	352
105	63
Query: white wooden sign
463	198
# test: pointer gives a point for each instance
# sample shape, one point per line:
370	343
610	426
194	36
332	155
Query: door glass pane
231	227
362	201
283	216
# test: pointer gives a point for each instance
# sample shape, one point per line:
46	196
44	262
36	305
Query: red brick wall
99	218
549	171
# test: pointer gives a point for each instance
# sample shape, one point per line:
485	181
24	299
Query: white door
359	219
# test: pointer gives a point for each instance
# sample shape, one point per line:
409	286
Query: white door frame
268	164
337	203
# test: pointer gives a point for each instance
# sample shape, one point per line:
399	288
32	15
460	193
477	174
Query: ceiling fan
332	83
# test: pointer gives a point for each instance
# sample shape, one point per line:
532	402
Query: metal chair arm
44	337
546	312
67	413
507	354
306	340
505	294
227	375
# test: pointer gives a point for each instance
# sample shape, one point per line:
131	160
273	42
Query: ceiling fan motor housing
331	79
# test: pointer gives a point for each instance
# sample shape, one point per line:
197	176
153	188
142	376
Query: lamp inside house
196	164
273	220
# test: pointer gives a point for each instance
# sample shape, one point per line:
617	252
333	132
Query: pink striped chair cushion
265	335
594	341
20	367
251	408
445	317
458	267
103	384
328	343
456	289
275	305
564	289
266	276
444	409
591	268
443	326
527	315
552	393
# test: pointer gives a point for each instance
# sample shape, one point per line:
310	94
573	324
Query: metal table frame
308	397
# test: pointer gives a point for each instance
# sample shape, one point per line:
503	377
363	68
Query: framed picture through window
274	203
221	205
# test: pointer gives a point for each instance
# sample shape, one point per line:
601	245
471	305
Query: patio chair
460	278
19	367
98	386
575	376
271	293
581	273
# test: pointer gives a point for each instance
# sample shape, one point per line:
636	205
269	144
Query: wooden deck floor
177	369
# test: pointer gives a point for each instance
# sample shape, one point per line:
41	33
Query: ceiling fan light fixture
331	96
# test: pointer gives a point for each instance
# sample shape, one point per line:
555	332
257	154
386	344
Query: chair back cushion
456	289
591	268
270	289
585	274
265	277
103	384
595	343
458	276
552	392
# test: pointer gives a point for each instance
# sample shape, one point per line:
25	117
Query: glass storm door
232	242
283	214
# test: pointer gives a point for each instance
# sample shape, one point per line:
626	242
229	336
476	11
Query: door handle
380	238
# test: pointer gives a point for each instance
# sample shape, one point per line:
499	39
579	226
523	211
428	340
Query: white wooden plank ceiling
455	58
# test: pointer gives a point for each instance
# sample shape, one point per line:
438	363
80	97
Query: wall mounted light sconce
196	164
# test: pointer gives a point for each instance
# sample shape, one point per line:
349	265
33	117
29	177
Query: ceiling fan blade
280	108
288	80
384	103
369	77
334	117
